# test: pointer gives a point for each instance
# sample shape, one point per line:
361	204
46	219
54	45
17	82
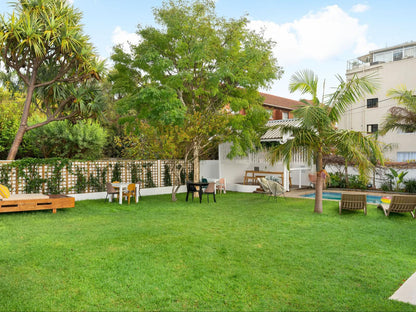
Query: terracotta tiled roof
280	102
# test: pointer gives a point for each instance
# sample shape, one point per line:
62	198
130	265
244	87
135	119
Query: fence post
159	173
17	180
43	177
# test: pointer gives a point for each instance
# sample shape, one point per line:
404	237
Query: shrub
337	179
84	140
357	182
410	186
386	186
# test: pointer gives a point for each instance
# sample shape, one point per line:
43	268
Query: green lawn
244	253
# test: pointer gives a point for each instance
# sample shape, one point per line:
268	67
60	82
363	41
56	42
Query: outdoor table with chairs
200	188
123	189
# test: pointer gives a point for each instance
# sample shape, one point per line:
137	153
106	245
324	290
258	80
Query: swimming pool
371	199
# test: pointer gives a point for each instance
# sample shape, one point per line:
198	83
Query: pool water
371	199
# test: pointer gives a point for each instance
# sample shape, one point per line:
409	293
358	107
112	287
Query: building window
397	55
285	115
372	103
406	156
372	128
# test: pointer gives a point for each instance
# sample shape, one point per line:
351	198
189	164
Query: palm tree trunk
319	184
23	123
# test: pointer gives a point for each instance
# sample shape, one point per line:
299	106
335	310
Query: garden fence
72	177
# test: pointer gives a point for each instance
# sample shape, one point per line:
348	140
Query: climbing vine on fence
117	172
58	176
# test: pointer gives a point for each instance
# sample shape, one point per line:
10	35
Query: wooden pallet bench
30	202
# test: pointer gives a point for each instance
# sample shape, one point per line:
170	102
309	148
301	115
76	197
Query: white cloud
317	36
124	38
360	8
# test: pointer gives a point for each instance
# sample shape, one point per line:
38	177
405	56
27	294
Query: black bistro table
192	187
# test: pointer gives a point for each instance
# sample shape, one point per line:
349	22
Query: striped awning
274	134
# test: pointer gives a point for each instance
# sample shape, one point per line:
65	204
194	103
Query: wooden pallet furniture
250	176
30	202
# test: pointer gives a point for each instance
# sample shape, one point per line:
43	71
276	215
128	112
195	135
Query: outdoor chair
400	204
131	191
264	185
353	202
111	190
221	185
209	190
204	180
190	188
276	189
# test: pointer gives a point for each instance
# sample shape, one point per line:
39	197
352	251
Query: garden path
406	292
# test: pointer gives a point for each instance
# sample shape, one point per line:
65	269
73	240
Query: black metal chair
190	188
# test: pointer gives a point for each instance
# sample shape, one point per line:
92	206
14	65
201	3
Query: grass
242	253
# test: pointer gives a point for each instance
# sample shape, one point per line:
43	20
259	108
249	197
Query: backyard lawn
244	253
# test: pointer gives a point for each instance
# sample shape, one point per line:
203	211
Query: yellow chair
131	191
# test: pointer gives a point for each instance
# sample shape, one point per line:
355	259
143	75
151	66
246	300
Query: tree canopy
195	72
43	43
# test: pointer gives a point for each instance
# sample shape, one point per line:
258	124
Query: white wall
380	173
143	192
391	75
209	168
234	169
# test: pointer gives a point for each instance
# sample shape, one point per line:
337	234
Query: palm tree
401	117
317	134
42	41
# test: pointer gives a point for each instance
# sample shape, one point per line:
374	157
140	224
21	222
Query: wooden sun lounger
400	204
353	202
29	202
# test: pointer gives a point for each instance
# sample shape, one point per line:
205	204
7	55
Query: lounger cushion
25	197
4	191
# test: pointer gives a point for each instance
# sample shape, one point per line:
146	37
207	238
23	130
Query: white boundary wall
143	192
233	170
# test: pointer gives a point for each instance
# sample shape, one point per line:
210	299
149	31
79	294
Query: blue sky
318	35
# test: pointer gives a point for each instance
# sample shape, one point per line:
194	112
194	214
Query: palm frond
306	82
349	92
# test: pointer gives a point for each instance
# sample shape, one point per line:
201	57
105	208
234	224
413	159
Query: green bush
337	179
357	182
410	186
83	140
386	186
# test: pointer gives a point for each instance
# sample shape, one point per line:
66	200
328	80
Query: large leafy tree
43	43
317	134
187	72
403	116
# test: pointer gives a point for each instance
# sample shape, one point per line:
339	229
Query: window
372	128
372	103
397	55
406	156
285	115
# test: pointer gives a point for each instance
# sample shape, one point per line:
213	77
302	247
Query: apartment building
395	67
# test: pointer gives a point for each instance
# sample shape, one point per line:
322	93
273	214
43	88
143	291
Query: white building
395	67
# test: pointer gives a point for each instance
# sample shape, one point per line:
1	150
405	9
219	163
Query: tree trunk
23	123
196	162
196	165
319	184
176	178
